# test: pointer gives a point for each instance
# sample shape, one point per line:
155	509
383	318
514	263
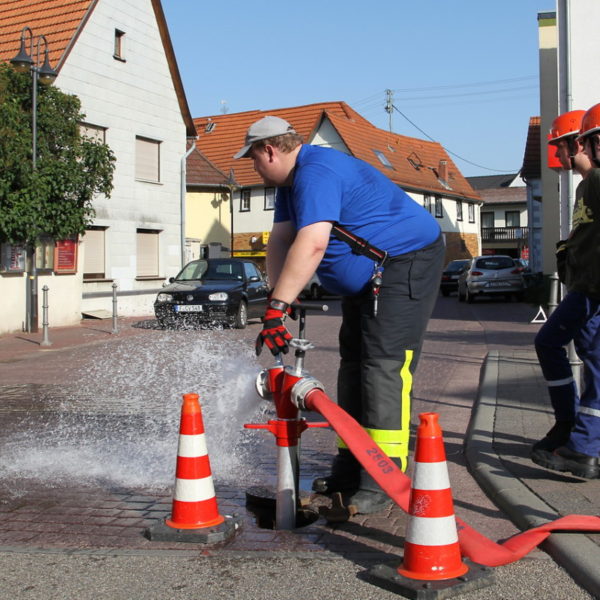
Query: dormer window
383	159
119	50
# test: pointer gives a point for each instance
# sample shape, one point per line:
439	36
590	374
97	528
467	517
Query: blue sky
463	72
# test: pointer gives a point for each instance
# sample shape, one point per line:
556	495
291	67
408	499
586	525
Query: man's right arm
281	238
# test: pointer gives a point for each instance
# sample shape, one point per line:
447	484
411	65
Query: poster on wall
12	258
65	256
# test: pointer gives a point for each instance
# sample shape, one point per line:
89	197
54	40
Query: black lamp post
43	73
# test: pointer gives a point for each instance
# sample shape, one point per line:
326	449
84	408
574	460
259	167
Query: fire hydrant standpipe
276	383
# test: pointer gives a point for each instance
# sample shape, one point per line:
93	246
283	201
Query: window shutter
93	260
147	159
147	253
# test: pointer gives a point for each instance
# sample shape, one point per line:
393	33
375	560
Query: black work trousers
379	353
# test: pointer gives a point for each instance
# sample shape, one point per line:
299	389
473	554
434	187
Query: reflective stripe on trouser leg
384	379
387	418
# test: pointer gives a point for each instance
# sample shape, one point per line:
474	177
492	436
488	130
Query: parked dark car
453	269
313	290
215	290
491	275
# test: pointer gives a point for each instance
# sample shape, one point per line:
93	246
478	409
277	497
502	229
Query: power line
463	85
482	93
446	149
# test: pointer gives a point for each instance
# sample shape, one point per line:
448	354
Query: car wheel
241	317
469	297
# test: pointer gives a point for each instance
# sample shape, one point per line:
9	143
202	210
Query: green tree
55	199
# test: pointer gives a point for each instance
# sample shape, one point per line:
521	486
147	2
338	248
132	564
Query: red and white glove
274	334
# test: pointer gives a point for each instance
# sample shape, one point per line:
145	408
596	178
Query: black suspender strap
359	245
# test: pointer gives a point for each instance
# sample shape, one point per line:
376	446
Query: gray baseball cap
266	127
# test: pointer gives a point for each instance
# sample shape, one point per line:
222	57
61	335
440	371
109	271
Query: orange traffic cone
195	515
431	549
432	560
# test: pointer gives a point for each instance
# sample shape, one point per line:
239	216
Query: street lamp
40	72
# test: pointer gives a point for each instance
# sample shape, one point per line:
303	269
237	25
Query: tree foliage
56	198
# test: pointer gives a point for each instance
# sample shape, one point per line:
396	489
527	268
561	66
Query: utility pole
389	105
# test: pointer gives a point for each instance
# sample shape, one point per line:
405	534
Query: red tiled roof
532	161
221	136
200	171
58	20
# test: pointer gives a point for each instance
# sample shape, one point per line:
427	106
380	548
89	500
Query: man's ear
270	150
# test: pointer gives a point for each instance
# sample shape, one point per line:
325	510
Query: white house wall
255	219
130	98
567	82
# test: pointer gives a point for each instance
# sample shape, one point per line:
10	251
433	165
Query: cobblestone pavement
90	430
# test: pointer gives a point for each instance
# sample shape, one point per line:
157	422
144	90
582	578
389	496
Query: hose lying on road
397	485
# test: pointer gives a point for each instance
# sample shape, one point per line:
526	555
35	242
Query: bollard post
45	340
553	300
114	315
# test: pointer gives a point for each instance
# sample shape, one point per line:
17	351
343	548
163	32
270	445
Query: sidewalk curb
575	552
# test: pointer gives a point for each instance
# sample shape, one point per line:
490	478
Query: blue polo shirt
332	186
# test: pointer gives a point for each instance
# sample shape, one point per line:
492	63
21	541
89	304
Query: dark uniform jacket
582	260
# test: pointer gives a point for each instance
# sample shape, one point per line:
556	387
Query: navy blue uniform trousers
577	319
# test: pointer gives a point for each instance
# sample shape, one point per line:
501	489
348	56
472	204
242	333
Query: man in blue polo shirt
389	286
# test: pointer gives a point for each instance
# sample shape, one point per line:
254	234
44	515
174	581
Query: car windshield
203	270
494	263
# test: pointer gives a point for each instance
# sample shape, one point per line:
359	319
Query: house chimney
443	170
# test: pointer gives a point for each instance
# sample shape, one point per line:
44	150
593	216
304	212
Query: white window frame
471	212
245	196
270	198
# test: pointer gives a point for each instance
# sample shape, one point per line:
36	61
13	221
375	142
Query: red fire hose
397	485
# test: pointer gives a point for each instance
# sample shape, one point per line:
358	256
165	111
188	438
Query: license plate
188	308
497	284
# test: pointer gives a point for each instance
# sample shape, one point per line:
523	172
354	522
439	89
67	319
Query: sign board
65	256
12	258
249	253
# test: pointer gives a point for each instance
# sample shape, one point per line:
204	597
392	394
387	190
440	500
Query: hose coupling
301	388
262	385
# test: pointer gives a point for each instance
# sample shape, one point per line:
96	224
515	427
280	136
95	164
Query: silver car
495	274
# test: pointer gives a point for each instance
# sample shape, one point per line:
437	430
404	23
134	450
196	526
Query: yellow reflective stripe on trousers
407	381
394	442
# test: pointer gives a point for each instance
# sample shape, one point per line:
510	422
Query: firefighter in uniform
375	246
573	444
